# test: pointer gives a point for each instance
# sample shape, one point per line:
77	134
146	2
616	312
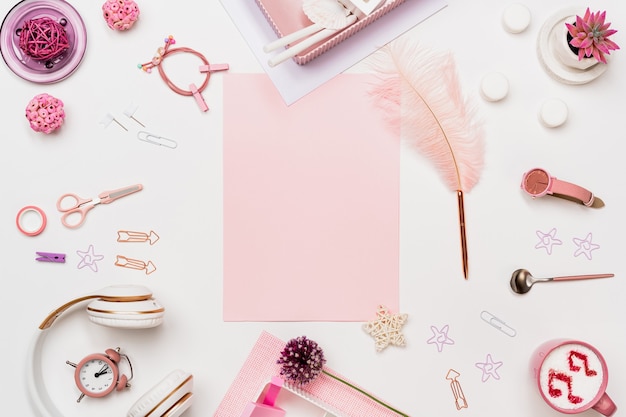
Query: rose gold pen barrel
459	194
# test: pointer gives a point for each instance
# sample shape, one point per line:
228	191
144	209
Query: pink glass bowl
43	71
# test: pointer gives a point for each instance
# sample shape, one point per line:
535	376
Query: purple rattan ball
45	113
43	38
120	14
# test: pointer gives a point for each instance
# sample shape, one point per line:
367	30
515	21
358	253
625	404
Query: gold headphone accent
172	410
47	322
96	310
184	397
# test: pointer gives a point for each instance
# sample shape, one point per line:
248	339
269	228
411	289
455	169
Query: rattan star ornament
386	329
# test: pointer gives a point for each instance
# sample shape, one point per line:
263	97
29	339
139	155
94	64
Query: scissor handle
74	209
73	218
70	201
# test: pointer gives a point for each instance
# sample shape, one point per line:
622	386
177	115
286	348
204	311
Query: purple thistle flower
302	360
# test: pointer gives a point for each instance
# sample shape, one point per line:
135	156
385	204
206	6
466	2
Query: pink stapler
266	407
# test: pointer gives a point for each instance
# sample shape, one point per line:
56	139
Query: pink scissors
76	208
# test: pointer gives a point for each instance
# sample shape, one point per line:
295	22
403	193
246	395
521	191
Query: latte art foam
571	376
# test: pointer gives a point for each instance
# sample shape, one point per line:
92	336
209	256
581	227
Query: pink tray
286	16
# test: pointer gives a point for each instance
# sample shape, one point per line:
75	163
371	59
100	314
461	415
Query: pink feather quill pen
421	96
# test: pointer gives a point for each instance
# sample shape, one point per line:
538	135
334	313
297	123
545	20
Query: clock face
536	182
96	375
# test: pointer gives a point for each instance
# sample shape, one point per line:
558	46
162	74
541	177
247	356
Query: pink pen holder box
286	16
323	397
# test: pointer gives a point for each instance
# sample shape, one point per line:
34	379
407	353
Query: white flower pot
565	54
557	58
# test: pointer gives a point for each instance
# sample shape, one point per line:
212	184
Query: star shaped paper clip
585	246
386	329
89	258
547	240
489	368
440	337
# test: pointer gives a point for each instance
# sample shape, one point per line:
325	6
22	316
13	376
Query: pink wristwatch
537	182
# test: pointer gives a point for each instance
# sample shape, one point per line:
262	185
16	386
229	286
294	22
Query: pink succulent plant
590	35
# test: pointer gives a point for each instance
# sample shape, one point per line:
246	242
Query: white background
182	202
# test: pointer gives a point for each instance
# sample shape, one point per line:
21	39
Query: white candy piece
516	18
553	112
494	87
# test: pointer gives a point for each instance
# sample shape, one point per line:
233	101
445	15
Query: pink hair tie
206	68
45	113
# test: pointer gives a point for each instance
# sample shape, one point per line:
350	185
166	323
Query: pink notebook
260	367
311	203
286	16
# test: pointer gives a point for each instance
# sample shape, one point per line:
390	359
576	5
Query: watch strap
567	189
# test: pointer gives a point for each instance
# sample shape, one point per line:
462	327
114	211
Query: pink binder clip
198	96
266	408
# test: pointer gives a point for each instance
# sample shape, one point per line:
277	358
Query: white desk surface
182	201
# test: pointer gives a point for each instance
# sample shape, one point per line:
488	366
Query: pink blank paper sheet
311	203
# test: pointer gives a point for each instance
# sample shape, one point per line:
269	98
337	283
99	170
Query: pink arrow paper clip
125	262
130	236
459	398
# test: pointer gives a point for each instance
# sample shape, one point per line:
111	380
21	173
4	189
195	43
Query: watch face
96	375
536	182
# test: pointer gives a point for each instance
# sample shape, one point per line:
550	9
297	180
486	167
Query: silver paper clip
156	140
492	320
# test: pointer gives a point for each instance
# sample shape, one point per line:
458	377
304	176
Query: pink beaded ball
45	113
120	14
